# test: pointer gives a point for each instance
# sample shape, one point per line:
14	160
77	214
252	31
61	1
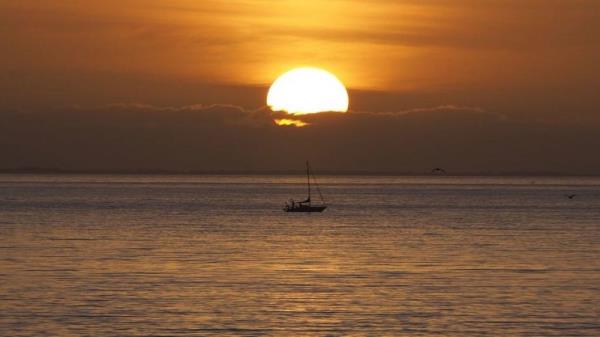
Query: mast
308	180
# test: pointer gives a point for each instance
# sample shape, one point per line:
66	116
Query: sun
307	90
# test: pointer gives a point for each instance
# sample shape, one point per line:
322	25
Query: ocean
127	255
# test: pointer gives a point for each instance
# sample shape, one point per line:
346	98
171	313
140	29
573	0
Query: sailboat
306	206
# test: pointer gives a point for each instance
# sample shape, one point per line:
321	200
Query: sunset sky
470	85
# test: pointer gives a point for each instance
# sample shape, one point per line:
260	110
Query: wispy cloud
441	108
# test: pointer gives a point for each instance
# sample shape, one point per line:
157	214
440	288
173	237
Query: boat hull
305	209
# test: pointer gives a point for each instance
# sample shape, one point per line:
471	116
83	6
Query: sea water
91	255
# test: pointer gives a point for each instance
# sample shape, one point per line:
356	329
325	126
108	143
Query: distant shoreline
51	171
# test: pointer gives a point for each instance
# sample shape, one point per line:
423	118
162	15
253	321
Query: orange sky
383	45
532	63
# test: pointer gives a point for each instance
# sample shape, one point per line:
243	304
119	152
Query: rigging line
308	179
318	189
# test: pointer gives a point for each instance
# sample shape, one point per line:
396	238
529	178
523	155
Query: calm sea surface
215	255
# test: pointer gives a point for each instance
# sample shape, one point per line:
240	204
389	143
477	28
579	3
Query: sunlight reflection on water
196	256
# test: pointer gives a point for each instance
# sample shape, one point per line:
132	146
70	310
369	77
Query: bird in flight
571	196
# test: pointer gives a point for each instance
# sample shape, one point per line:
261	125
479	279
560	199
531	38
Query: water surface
215	255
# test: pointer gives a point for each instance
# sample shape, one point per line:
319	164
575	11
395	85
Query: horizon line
58	171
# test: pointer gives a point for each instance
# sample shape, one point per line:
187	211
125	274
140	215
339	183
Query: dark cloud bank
130	137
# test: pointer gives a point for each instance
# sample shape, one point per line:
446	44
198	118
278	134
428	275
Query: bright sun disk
307	90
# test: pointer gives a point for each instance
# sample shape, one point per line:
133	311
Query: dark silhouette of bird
571	196
438	170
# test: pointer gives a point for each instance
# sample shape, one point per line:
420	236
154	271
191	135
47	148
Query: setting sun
307	90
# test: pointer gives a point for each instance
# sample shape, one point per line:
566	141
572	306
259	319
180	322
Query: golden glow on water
208	255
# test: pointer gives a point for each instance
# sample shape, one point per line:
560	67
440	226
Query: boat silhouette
306	206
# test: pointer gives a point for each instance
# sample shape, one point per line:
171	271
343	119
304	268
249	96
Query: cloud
212	114
448	108
134	136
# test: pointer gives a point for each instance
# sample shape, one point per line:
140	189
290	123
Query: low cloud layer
230	138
